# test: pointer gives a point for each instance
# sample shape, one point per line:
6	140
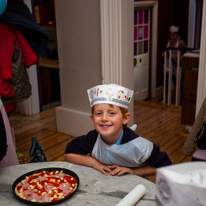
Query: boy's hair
123	111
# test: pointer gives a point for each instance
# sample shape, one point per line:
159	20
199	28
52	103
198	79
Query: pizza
46	186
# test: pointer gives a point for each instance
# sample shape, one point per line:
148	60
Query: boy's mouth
105	125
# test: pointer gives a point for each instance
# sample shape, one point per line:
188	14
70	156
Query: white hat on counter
110	94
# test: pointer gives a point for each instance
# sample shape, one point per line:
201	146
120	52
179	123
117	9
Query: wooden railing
178	75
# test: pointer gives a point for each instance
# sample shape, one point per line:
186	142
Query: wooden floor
156	122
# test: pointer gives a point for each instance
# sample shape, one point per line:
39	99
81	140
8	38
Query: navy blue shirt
85	143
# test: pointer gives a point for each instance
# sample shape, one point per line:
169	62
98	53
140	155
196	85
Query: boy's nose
104	117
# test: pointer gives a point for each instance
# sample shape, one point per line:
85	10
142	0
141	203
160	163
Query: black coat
19	14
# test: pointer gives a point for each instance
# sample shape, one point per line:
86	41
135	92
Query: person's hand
102	168
117	170
140	171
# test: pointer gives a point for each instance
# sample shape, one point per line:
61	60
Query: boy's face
108	121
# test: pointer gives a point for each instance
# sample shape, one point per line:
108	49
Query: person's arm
87	161
77	150
181	45
158	158
140	171
144	171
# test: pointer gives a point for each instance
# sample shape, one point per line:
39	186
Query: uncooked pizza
46	186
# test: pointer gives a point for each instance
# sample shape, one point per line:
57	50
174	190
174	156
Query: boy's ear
91	116
126	118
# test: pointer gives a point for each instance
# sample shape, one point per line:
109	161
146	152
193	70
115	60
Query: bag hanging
36	151
200	138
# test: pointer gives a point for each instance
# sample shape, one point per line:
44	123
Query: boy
114	148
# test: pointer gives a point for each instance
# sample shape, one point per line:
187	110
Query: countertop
94	189
192	54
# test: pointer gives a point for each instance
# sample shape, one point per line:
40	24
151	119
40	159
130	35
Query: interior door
141	53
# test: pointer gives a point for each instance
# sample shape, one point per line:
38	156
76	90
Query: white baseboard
51	105
73	122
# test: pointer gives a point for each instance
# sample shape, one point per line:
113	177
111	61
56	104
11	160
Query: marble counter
95	188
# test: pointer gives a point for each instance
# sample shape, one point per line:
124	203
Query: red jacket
9	35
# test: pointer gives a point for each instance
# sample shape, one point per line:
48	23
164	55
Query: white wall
191	23
79	48
78	37
201	87
127	25
28	3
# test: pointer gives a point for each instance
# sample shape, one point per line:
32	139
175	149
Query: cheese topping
37	188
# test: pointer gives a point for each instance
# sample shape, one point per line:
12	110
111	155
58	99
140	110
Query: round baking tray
65	171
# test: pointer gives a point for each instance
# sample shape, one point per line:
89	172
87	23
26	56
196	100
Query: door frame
153	53
31	105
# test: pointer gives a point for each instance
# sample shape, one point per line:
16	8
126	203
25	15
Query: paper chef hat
174	29
110	94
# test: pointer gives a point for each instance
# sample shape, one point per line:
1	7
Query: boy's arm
144	171
77	149
87	161
158	158
140	171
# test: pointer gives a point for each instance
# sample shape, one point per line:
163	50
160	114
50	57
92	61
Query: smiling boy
108	121
113	147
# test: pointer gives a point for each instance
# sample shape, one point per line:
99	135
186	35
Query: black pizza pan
22	177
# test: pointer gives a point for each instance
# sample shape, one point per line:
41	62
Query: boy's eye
98	113
111	113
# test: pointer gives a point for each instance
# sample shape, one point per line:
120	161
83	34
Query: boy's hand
102	168
140	171
117	170
87	161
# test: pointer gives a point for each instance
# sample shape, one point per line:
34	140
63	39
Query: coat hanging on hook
19	14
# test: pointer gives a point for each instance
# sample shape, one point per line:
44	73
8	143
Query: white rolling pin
133	196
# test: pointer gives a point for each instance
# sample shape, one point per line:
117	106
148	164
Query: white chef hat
110	94
174	29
